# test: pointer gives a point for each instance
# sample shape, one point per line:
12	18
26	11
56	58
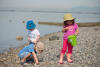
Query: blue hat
30	24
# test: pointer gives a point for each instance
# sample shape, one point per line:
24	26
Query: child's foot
61	58
69	60
36	64
61	62
21	63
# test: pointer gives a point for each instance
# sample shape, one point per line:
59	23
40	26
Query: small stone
17	62
19	38
23	21
53	38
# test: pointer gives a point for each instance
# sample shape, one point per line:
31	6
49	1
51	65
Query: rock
85	54
11	49
2	59
19	38
23	21
53	38
17	62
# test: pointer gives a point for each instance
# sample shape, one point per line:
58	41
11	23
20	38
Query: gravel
85	54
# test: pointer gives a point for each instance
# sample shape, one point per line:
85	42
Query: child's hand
66	28
76	34
77	31
35	41
29	39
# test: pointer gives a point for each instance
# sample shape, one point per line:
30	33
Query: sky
47	4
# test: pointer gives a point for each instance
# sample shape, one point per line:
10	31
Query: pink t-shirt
70	31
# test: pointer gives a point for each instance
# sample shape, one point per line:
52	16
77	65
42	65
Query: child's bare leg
69	54
63	51
61	58
24	59
35	58
69	57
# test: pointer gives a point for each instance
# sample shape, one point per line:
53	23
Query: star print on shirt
71	28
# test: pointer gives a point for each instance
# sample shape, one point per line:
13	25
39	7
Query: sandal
36	64
21	63
61	62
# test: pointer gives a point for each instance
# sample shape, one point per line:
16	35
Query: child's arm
77	31
29	39
37	39
64	29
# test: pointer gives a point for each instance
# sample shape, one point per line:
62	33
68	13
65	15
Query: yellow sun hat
68	16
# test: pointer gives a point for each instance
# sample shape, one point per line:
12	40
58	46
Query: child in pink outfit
70	28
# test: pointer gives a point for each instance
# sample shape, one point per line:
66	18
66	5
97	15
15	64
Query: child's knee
70	51
33	53
63	50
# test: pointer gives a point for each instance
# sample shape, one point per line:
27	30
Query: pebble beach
85	54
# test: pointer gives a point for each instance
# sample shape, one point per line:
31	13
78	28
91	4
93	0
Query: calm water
11	25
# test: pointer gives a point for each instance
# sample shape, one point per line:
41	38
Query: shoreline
48	58
26	43
85	24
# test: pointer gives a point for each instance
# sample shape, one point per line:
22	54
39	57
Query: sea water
12	25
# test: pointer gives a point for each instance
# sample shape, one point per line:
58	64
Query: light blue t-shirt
29	48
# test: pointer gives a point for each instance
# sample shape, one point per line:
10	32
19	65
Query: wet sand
85	54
